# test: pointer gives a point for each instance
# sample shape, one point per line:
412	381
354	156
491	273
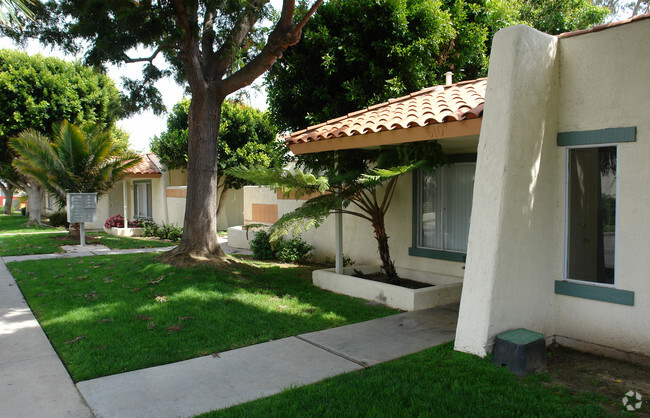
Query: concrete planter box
240	236
444	289
126	232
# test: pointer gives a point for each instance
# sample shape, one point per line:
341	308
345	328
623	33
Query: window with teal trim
442	209
591	217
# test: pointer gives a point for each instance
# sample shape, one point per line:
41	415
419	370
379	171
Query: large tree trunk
8	191
200	224
34	203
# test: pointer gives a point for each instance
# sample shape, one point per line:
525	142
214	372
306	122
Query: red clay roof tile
433	105
149	164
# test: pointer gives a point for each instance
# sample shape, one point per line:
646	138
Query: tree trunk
384	253
8	191
199	238
222	199
74	231
34	203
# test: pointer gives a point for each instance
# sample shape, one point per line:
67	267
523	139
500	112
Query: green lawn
15	224
48	243
26	244
111	314
437	382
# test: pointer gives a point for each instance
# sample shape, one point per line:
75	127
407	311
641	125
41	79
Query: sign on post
82	207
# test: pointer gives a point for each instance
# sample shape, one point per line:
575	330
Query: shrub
149	228
23	211
261	246
152	229
59	218
115	221
175	233
293	250
347	261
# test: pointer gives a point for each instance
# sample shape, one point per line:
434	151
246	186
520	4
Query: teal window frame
415	250
585	289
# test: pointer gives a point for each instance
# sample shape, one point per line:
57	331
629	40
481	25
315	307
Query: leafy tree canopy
37	91
73	159
247	137
356	53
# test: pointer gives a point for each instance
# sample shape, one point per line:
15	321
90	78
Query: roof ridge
604	26
439	87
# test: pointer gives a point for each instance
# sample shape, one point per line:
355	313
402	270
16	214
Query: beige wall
233	213
358	236
614	92
538	86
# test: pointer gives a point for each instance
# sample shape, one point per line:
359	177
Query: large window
443	205
592	200
142	199
591	217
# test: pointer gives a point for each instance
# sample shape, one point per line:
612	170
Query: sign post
82	207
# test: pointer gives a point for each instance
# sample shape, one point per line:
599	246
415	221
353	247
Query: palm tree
10	9
74	161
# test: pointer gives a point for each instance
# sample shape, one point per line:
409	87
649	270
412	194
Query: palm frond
290	182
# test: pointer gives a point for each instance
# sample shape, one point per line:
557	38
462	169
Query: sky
145	125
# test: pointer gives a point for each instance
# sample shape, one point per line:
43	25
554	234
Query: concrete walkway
34	382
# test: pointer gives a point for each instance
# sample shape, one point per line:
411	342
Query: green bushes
170	232
289	251
59	218
261	246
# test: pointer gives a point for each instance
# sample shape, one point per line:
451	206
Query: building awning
435	113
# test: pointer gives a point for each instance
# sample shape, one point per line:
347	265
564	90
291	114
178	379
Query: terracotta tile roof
148	165
603	27
433	105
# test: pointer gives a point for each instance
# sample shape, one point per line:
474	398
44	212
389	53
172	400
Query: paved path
34	383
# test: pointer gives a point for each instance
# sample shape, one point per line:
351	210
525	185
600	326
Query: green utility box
523	351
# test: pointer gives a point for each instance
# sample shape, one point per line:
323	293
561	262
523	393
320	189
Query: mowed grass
27	244
15	224
112	314
437	382
49	243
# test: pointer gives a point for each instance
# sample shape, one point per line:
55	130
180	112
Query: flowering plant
116	221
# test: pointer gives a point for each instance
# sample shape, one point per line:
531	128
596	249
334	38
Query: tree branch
284	35
190	54
222	60
150	59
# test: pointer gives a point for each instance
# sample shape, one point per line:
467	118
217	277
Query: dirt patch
610	378
382	278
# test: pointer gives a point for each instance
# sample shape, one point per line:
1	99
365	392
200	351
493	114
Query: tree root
184	257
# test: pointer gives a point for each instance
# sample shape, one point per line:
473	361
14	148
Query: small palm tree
74	160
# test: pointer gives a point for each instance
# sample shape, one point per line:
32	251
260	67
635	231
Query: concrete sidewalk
34	382
207	383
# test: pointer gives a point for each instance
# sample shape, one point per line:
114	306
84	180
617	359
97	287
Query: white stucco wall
605	83
538	86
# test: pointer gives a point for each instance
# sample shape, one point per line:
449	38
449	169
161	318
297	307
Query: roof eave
438	131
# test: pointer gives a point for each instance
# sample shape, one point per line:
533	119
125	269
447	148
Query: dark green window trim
439	254
598	136
587	291
416	251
